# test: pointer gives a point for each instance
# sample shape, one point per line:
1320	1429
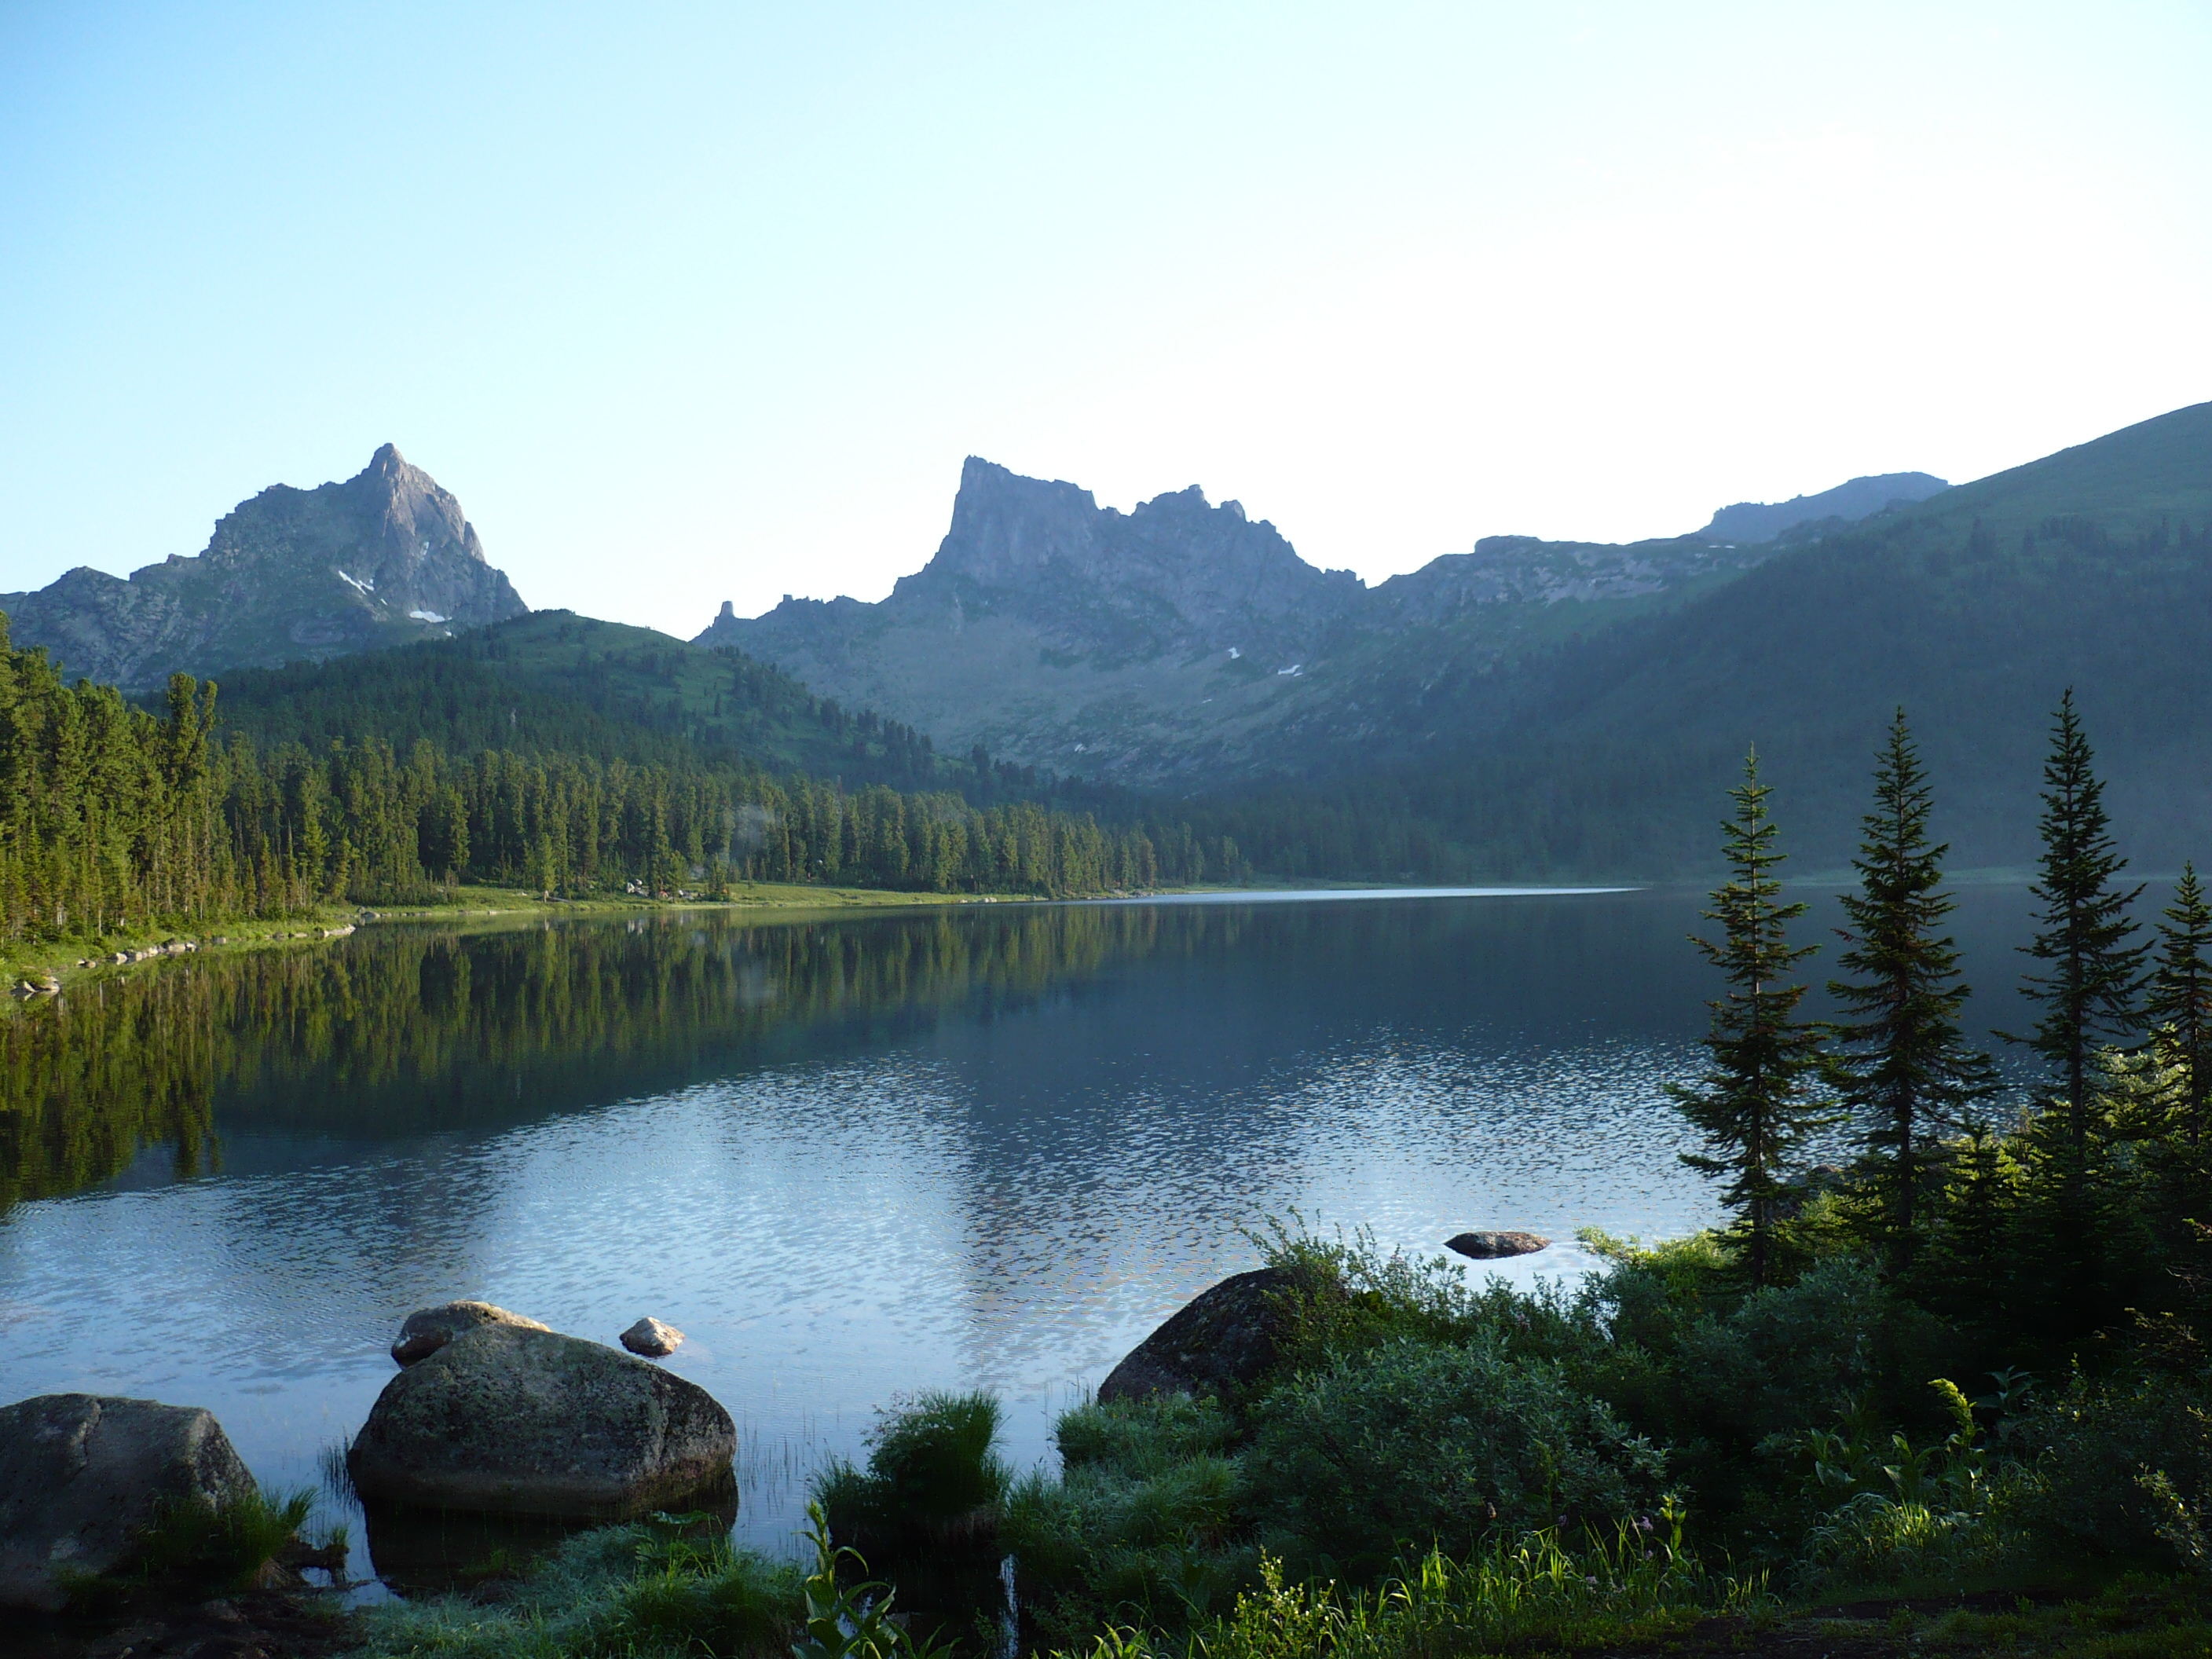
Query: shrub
1423	1444
2124	1468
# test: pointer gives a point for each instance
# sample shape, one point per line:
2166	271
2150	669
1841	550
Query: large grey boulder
506	1420
1226	1336
428	1329
82	1476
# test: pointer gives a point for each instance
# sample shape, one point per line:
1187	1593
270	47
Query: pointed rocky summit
385	558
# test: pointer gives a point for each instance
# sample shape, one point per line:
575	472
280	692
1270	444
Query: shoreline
35	973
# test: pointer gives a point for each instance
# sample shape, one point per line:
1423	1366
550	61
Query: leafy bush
1423	1444
2124	1468
1349	1296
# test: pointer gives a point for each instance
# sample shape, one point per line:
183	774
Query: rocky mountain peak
1175	570
386	556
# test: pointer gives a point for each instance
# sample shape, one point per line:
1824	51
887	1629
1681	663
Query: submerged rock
511	1419
1490	1246
83	1475
653	1339
428	1329
1225	1336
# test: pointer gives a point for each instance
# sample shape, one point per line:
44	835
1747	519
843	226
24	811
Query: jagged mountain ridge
385	558
1182	643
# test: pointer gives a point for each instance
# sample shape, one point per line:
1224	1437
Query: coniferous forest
117	818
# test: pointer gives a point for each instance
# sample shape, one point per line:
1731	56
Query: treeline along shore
114	818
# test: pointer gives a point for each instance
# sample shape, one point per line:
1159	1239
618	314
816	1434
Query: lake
851	1156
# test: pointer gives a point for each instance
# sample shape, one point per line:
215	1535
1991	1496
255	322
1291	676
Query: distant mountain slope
1186	645
385	557
1975	609
1847	503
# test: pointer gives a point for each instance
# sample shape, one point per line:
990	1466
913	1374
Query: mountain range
386	558
1184	645
1528	709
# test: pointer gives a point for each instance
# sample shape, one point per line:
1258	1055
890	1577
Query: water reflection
852	1156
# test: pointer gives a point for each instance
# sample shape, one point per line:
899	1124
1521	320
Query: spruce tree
1754	1104
1906	1071
2179	1006
2088	992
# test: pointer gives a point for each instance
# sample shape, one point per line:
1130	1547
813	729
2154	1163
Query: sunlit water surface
850	1158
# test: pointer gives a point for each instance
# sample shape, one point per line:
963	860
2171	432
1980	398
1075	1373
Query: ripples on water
850	1158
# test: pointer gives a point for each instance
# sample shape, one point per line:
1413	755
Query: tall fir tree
1906	1071
2092	975
2088	991
2179	1004
1755	1102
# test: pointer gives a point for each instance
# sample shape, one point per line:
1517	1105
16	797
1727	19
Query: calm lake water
851	1157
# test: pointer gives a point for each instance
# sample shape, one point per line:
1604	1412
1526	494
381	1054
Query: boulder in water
428	1329
509	1419
83	1475
1226	1336
1490	1246
653	1339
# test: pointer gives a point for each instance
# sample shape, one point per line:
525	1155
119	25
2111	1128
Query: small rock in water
428	1329
653	1339
1488	1247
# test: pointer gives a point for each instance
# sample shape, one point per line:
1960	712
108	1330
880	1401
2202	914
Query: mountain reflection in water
851	1156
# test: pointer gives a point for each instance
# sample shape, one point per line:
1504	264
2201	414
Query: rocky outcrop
653	1339
1492	1246
1848	503
506	1420
428	1329
83	1475
292	574
1226	1337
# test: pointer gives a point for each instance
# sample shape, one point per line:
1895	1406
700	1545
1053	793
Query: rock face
428	1329
653	1339
1224	1337
506	1420
1490	1246
382	559
81	1474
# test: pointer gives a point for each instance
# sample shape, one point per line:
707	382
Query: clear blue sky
688	305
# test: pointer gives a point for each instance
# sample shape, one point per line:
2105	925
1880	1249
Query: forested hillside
114	818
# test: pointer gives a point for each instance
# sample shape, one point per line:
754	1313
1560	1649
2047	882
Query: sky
696	304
